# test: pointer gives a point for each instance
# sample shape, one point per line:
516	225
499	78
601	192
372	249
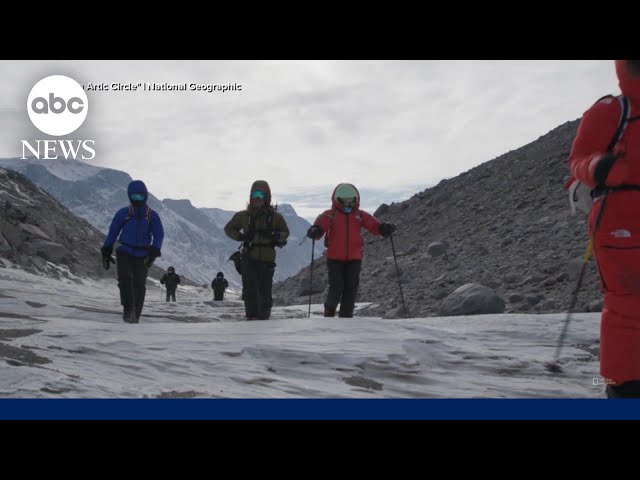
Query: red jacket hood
338	205
629	85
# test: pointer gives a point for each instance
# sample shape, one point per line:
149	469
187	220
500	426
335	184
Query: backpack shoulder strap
603	97
125	219
269	214
332	217
147	212
629	117
130	214
625	110
270	220
128	217
252	227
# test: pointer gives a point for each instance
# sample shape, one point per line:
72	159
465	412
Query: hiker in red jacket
614	173
342	226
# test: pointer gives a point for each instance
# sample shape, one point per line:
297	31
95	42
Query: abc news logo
57	105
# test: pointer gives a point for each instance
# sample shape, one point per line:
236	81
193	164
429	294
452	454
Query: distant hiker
141	234
171	280
261	228
219	285
613	172
342	226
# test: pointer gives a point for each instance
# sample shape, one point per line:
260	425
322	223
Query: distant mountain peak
70	170
175	203
194	238
287	209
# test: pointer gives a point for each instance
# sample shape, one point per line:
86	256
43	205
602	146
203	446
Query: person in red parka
342	226
616	174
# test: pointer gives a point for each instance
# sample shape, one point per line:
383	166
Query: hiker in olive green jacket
261	228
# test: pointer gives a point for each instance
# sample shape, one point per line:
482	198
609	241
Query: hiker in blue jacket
141	234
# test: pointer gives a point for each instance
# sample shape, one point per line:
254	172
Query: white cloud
308	125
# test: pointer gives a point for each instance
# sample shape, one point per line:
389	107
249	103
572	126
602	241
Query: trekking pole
393	248
554	366
313	246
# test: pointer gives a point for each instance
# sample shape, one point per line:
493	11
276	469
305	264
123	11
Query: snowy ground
65	339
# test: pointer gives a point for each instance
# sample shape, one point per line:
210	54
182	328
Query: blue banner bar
319	409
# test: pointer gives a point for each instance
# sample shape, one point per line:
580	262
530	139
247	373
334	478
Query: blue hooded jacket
137	232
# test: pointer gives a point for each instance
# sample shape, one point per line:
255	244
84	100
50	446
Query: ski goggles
258	194
138	197
347	202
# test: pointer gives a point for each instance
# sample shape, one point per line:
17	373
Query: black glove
107	259
386	229
276	235
314	232
242	237
153	254
603	167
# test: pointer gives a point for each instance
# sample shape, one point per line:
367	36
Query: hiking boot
252	318
329	312
126	316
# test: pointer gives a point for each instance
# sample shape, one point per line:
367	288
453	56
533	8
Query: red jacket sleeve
324	221
596	130
371	223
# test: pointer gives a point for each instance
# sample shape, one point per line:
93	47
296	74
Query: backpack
269	229
130	214
580	195
236	257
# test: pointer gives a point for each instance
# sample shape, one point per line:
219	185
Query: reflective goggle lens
347	202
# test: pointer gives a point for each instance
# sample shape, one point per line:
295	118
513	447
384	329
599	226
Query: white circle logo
57	105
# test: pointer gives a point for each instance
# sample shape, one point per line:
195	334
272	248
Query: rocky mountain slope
504	225
195	242
40	235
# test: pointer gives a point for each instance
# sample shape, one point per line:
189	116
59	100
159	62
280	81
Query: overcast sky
392	128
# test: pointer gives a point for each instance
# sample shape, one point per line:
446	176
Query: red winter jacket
597	127
343	236
617	239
